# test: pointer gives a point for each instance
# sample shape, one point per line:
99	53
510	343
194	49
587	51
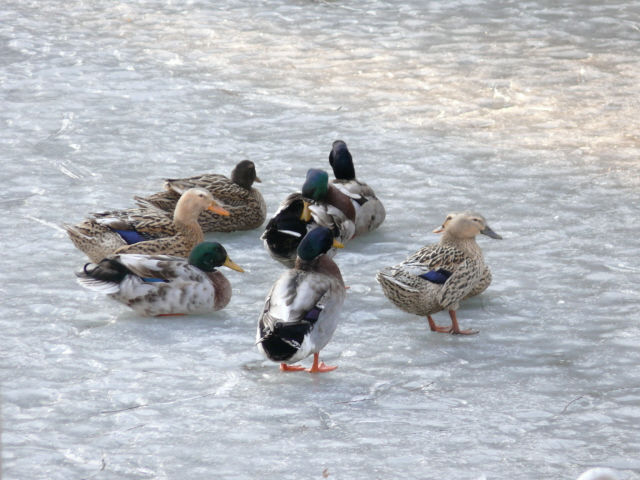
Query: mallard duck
437	277
160	285
370	212
147	231
302	309
247	209
319	204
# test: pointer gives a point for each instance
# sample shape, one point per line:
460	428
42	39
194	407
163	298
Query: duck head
207	256
315	187
244	174
466	225
341	161
316	242
196	200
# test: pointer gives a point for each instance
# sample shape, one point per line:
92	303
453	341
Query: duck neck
339	200
222	289
241	179
321	264
186	217
466	245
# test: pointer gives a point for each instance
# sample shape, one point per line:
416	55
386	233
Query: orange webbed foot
291	368
464	332
320	368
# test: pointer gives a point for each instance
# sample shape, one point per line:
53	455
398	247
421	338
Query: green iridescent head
316	242
316	185
208	255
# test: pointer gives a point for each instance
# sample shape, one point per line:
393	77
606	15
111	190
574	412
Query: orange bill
215	208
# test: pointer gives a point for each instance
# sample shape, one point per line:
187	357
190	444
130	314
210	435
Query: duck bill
306	213
257	180
490	233
215	208
440	229
337	244
232	265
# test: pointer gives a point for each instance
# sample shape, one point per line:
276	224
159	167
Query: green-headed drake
155	285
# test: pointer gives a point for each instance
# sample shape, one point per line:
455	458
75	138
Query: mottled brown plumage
165	234
455	269
245	204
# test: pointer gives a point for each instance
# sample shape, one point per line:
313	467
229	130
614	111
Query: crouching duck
370	212
161	285
302	310
319	204
438	277
245	204
148	230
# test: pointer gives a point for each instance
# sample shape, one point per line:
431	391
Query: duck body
370	212
319	204
245	204
155	285
438	277
302	310
145	230
286	229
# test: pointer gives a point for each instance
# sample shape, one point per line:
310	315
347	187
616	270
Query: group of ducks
153	258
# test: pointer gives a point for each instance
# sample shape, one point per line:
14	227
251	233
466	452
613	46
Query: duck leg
319	367
455	328
437	328
290	368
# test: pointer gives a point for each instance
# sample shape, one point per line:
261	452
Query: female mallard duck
319	204
370	212
247	209
148	231
154	285
437	277
302	309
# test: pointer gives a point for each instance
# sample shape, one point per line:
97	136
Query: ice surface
525	111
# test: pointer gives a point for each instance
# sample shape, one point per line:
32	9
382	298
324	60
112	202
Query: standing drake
319	204
158	285
370	212
147	231
245	204
437	277
302	310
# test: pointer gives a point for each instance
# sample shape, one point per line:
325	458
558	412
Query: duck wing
160	267
148	219
461	282
293	307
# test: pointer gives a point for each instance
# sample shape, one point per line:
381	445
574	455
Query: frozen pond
525	111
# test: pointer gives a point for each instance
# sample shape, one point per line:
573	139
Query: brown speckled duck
437	277
245	204
148	231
